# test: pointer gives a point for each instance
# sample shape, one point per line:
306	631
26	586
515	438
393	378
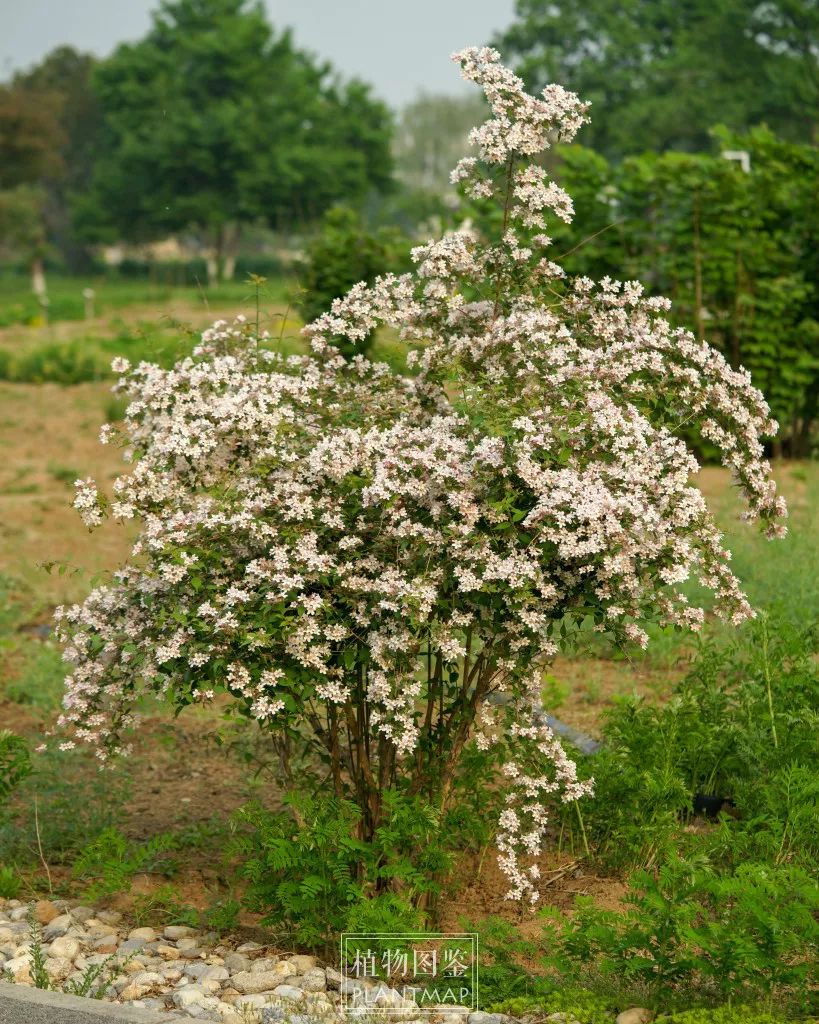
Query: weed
165	906
109	862
15	763
221	915
753	932
160	905
63	474
39	974
724	1015
503	950
307	871
96	978
741	725
10	882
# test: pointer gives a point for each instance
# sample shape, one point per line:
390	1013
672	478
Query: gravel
185	973
191	975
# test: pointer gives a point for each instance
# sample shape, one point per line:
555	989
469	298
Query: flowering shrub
376	567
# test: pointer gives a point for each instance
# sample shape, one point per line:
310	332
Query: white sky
402	47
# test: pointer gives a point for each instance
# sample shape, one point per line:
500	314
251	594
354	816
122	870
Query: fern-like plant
110	861
309	873
15	763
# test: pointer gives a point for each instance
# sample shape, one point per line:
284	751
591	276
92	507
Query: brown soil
562	879
49	435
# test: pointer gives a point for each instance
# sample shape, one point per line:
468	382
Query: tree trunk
214	256
231	249
38	280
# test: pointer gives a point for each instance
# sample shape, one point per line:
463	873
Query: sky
401	47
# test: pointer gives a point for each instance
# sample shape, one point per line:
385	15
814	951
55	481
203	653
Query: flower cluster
87	502
371	559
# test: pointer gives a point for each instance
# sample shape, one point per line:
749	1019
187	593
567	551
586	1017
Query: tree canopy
59	88
660	73
31	141
62	80
30	136
737	251
214	119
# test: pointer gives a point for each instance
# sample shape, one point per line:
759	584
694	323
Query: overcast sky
401	46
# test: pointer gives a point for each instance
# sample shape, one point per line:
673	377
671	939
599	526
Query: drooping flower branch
381	564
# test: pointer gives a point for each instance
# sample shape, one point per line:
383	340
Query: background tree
213	121
23	232
791	27
30	136
735	250
30	142
62	81
664	71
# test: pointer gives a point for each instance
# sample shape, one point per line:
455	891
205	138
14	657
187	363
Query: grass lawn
113	295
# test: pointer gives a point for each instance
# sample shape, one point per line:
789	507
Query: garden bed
177	970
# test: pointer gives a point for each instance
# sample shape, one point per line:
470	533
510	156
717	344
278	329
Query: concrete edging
23	1004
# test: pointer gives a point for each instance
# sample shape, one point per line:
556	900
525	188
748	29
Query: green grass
782	576
19	305
33	667
63	474
68	354
71	799
39	681
73	804
89	358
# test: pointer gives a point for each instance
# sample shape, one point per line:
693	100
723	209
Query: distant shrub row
88	359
